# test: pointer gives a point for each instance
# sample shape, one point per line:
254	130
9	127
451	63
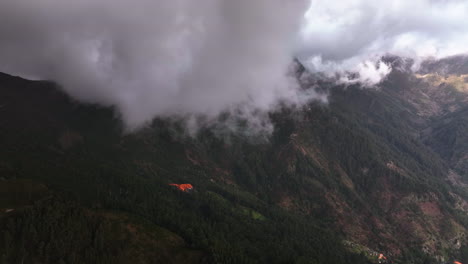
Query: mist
199	60
187	59
349	36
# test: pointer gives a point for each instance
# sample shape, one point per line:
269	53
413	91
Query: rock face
386	169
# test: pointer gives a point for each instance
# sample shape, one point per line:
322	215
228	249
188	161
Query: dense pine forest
334	183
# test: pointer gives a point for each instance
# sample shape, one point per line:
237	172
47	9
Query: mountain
373	171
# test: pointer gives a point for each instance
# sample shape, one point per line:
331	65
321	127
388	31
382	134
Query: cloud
158	58
343	36
207	60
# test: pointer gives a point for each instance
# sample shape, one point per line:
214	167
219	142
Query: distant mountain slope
383	168
451	65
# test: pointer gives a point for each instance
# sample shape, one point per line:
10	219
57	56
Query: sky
195	60
352	35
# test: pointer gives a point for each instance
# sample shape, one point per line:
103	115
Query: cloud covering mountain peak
196	60
158	58
352	35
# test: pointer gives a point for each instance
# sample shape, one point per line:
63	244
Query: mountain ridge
365	166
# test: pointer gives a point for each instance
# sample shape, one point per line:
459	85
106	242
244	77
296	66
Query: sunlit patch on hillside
459	82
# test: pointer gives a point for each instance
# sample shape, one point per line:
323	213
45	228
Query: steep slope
447	136
54	230
375	166
80	154
446	131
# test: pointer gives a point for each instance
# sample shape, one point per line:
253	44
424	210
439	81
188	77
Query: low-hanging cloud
348	36
196	60
158	58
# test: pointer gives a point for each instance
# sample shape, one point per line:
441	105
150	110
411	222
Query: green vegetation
58	231
84	192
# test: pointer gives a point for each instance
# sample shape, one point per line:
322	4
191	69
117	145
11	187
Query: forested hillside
372	171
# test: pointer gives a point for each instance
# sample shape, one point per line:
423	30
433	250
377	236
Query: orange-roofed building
186	187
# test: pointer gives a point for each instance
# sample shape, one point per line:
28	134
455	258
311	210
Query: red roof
183	187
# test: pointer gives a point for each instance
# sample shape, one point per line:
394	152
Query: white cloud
158	58
347	34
